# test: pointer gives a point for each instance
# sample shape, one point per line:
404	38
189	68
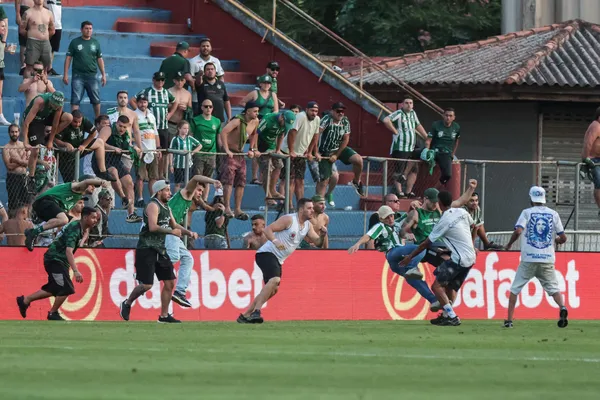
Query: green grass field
299	360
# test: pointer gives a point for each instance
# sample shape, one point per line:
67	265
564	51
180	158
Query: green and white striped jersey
333	134
158	103
406	139
188	143
385	237
476	215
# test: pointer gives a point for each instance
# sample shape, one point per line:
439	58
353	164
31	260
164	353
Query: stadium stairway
131	56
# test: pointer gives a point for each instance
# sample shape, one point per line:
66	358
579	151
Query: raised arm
466	196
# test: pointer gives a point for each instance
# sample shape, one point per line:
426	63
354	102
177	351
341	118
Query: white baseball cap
537	194
159	185
384	212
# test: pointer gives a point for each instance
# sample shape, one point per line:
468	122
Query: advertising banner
315	285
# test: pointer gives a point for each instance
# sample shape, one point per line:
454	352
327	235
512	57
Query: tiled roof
566	54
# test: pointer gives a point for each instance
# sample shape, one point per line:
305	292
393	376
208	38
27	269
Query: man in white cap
543	228
151	253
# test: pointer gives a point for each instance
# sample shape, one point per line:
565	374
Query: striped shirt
406	138
158	103
385	237
178	143
147	123
476	215
333	134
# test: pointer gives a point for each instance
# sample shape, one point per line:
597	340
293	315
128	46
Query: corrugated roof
566	54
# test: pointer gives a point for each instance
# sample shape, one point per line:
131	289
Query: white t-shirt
306	131
454	229
55	8
540	226
147	124
197	64
291	237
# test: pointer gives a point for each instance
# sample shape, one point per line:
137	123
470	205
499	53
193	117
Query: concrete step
135	25
103	18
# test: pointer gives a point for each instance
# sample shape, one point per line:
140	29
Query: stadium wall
338	287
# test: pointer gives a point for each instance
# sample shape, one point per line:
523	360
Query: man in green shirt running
271	131
151	254
53	205
57	260
177	251
444	138
205	128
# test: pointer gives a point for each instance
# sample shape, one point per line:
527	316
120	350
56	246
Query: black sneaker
22	306
439	320
563	321
255	317
411	195
125	203
493	246
451	321
54	316
125	310
106	176
140	203
402	179
508	324
30	236
359	188
133	218
180	299
52	72
169	319
243	320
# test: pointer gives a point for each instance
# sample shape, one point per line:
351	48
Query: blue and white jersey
540	226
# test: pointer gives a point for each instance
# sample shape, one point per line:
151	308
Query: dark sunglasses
161	79
393	201
340	111
39	71
274	69
207	106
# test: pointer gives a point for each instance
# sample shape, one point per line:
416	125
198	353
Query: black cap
204	39
338	105
141	97
159	75
179	76
249	105
273	65
312	104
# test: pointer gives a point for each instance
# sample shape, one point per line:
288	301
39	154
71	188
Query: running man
57	261
284	235
455	229
385	235
176	250
53	205
151	254
44	110
543	228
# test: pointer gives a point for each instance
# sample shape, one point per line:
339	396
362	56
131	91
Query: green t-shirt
45	112
385	237
171	66
179	207
443	137
269	129
333	134
155	240
273	84
158	103
69	236
211	225
64	196
205	131
427	220
265	106
85	55
75	136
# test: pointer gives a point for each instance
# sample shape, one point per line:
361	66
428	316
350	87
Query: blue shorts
596	173
89	84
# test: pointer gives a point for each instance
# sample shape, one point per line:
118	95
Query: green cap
317	199
104	193
265	79
431	194
289	117
183	46
58	99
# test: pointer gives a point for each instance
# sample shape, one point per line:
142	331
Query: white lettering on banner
194	289
239	283
479	290
209	276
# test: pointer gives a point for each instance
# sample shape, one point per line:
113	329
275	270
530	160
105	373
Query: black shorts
113	160
22	39
46	208
165	138
269	265
36	133
444	160
450	274
179	175
1	74
55	40
149	262
59	282
399	167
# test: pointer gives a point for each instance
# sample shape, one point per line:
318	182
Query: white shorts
544	272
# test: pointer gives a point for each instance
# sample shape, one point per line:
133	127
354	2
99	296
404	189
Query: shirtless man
233	168
38	83
591	154
183	101
318	220
255	239
20	7
38	24
15	227
16	160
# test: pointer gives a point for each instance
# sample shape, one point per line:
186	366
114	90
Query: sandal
242	217
256	182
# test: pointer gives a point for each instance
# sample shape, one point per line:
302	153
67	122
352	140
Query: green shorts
322	170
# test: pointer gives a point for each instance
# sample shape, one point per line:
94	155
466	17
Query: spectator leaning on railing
443	139
180	162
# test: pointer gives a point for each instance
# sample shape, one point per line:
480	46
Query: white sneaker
413	273
3	120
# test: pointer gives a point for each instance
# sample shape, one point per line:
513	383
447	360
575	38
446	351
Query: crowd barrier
337	287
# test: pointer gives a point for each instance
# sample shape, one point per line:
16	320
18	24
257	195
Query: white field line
348	354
